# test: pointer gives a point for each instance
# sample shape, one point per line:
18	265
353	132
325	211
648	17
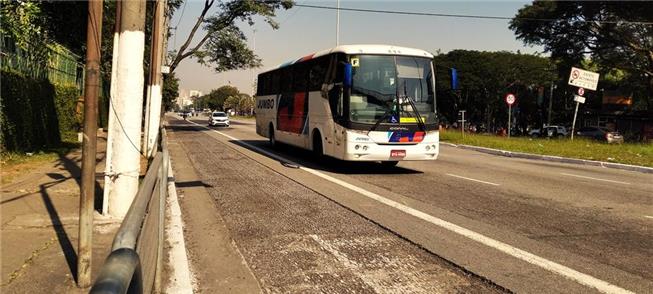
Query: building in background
187	97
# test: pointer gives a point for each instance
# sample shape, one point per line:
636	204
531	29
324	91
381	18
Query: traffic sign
510	98
583	78
579	99
581	91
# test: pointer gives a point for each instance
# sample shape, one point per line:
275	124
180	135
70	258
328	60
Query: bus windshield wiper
418	116
380	120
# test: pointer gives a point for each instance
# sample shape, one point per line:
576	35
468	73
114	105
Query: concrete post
154	97
112	123
128	107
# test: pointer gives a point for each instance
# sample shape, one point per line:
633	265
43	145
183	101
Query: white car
219	118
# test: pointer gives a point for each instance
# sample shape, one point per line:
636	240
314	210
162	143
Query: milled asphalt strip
181	277
470	179
584	279
596	179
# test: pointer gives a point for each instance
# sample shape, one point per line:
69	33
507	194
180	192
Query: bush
65	100
28	115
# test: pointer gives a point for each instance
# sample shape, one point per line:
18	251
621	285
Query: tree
485	78
223	44
216	98
246	104
170	91
613	34
232	103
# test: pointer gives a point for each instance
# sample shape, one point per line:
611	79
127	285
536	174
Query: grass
628	153
16	164
247	117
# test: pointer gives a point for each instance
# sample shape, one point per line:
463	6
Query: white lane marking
569	273
475	180
648	216
596	179
182	279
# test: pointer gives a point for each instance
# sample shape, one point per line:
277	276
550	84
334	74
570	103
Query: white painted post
573	124
509	118
128	107
154	98
112	124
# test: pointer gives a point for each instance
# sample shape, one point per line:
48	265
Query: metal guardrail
136	261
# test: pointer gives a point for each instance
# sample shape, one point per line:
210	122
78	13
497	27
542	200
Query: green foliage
614	34
231	103
629	153
245	104
170	91
484	79
27	113
216	99
66	99
223	45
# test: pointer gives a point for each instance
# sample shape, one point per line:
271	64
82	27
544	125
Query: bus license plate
398	153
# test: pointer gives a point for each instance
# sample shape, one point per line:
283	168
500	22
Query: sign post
579	99
582	79
510	99
462	122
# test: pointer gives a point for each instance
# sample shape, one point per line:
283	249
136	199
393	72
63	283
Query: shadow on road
307	158
192	184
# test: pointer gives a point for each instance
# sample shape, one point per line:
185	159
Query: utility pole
128	106
338	23
87	190
112	123
252	70
154	97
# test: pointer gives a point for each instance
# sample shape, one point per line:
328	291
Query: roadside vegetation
628	153
14	164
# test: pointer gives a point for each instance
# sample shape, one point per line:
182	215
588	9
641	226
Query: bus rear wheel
317	144
271	139
389	163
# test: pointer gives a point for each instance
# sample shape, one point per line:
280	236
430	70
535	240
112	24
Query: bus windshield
391	89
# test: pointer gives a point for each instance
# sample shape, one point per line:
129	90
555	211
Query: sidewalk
39	213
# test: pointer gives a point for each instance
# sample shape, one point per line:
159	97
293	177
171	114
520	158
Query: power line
465	15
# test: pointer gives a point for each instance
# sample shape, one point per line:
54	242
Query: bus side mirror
347	75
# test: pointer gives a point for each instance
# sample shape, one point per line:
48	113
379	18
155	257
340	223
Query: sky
306	30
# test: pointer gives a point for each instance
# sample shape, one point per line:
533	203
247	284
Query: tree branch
181	55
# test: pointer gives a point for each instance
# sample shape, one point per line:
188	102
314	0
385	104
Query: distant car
601	134
219	118
549	132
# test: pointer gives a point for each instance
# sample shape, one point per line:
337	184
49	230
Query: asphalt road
526	225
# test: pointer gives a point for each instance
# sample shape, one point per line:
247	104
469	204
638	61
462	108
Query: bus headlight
357	147
364	148
428	147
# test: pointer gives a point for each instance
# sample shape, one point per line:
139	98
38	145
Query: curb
506	153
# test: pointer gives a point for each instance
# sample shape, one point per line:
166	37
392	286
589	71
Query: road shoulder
217	263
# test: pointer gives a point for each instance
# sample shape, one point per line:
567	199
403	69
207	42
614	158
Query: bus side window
300	77
274	82
318	72
286	82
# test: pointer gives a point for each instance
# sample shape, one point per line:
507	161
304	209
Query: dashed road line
596	179
475	180
569	273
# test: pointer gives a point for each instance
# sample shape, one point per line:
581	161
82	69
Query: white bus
353	102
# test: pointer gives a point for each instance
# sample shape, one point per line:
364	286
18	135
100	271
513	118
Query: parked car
219	118
601	134
549	132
